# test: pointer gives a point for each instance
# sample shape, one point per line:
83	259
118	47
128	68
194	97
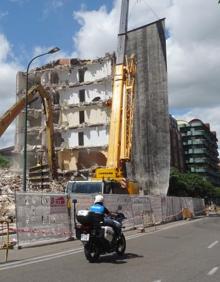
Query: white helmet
99	199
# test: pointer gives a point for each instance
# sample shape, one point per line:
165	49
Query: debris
11	182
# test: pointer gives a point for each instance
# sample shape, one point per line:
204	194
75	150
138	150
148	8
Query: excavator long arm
14	111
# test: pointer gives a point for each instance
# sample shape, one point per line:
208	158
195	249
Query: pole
56	49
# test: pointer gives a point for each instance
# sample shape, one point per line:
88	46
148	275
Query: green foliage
191	185
3	162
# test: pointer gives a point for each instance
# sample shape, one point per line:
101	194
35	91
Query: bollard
69	210
4	235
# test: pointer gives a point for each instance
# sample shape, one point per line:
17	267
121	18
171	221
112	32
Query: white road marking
213	271
25	262
157	281
40	259
212	245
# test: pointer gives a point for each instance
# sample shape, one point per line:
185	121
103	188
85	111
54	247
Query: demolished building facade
81	91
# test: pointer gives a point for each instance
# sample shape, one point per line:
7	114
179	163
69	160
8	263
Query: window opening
81	73
82	95
81	138
81	117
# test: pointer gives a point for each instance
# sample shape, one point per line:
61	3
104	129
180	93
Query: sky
88	29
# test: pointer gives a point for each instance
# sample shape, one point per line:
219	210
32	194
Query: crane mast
118	89
120	133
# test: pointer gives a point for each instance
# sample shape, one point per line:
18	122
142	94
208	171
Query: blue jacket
99	208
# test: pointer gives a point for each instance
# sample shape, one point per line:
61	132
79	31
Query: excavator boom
14	111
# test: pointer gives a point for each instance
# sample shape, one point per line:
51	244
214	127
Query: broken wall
72	117
92	93
151	144
95	137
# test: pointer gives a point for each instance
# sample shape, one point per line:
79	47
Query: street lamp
54	50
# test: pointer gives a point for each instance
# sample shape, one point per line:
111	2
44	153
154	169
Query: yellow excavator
33	93
113	177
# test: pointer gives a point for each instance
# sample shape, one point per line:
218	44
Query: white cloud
20	2
4	48
51	6
3	14
94	39
8	70
57	4
99	28
193	48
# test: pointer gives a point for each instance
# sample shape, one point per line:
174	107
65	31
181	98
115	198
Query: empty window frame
80	138
81	74
82	95
81	117
56	98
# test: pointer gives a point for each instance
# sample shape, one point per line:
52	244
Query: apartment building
200	149
176	147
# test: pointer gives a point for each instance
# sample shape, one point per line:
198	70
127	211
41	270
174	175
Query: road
177	252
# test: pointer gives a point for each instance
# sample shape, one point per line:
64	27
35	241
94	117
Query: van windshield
84	187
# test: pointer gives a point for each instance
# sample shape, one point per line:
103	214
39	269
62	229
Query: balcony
199	169
196	151
197	160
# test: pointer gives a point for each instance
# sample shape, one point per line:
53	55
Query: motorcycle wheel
91	252
121	245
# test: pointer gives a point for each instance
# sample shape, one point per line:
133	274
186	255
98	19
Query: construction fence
44	218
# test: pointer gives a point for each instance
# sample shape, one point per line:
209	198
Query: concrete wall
151	144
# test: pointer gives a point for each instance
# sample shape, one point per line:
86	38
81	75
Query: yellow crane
13	112
114	175
121	123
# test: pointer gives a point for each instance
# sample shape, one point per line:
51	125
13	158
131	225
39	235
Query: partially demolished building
81	91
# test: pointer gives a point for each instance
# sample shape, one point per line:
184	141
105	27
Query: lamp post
54	50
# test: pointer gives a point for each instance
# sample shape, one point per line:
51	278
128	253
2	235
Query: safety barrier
4	237
41	217
49	217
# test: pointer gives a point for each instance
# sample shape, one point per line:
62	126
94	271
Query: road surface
177	252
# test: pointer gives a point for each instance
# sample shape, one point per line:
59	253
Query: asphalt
176	252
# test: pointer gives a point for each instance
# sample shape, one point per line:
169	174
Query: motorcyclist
99	208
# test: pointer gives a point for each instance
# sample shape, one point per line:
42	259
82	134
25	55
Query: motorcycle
97	238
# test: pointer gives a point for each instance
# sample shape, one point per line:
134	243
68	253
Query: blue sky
88	29
30	23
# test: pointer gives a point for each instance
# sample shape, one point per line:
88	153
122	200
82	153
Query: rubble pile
9	183
58	186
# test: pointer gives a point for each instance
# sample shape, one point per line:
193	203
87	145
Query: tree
4	162
190	185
